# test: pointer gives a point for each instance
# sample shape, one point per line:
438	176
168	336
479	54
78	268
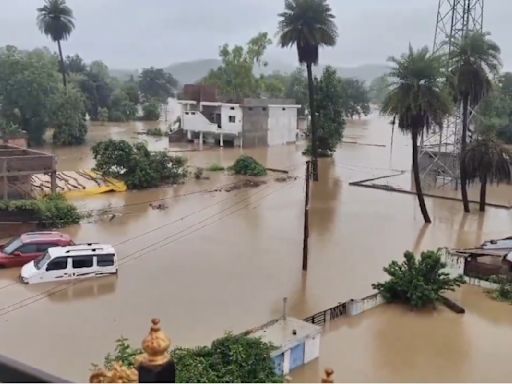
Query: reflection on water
217	261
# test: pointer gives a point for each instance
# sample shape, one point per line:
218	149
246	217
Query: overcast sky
141	33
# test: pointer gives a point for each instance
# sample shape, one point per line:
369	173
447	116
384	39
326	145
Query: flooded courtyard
215	261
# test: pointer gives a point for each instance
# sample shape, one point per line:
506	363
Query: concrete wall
255	126
194	121
282	125
228	111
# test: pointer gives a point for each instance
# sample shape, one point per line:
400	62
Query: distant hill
192	71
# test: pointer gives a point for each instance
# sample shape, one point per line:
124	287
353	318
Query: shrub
232	358
504	290
246	165
52	211
154	132
198	174
151	111
137	166
216	168
417	283
68	117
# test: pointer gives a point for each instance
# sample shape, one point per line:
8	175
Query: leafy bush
103	114
198	173
417	283
232	358
151	111
52	211
155	132
121	108
504	290
137	166
215	168
246	165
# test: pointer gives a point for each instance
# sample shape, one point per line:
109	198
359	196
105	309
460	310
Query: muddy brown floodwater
215	261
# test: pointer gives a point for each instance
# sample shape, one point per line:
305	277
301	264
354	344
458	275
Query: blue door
297	356
278	364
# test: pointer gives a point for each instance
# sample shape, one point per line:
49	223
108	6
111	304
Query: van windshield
41	261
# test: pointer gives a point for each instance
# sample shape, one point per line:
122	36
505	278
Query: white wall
196	122
231	110
282	125
312	348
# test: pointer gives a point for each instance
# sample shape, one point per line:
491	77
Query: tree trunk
62	66
463	178
314	132
483	193
417	180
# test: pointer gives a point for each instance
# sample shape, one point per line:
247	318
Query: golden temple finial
156	346
328	376
118	374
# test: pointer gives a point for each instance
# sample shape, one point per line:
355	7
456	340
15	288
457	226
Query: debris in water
284	179
158	206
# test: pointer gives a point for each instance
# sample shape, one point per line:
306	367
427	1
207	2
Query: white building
256	122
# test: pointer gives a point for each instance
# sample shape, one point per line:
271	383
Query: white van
72	262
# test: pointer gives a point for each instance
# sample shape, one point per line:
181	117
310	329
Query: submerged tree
488	161
475	58
55	19
68	117
308	24
417	283
417	99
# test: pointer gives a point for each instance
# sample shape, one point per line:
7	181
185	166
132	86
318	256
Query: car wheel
2	266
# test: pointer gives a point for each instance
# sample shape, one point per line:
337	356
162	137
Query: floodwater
215	261
391	343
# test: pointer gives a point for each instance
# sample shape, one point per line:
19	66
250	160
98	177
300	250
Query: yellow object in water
104	184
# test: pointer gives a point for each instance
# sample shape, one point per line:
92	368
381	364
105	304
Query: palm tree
308	24
417	98
474	58
55	19
488	161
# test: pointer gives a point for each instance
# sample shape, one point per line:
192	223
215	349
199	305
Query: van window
57	264
82	262
105	260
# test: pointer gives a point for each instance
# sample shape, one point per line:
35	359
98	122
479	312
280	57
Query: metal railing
13	371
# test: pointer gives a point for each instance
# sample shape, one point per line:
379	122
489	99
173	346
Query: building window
284	109
192	113
186	113
232	119
250	108
232	108
264	108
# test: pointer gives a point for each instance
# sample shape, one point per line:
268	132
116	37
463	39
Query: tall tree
417	99
308	24
55	19
235	78
488	161
155	83
474	59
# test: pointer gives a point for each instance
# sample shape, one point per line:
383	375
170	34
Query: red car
29	246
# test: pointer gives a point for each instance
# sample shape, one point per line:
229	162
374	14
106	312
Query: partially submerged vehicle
73	262
29	246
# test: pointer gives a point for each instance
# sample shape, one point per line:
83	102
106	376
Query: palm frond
55	19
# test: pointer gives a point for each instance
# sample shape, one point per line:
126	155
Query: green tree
230	359
235	78
132	91
486	160
331	100
308	24
474	58
96	86
151	111
28	81
121	108
357	100
136	165
155	83
417	283
55	19
417	99
75	64
68	117
379	87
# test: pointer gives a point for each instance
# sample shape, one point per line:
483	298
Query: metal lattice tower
440	148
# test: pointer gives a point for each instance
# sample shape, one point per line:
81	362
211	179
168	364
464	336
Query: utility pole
306	219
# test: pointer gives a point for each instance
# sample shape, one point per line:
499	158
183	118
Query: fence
350	308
